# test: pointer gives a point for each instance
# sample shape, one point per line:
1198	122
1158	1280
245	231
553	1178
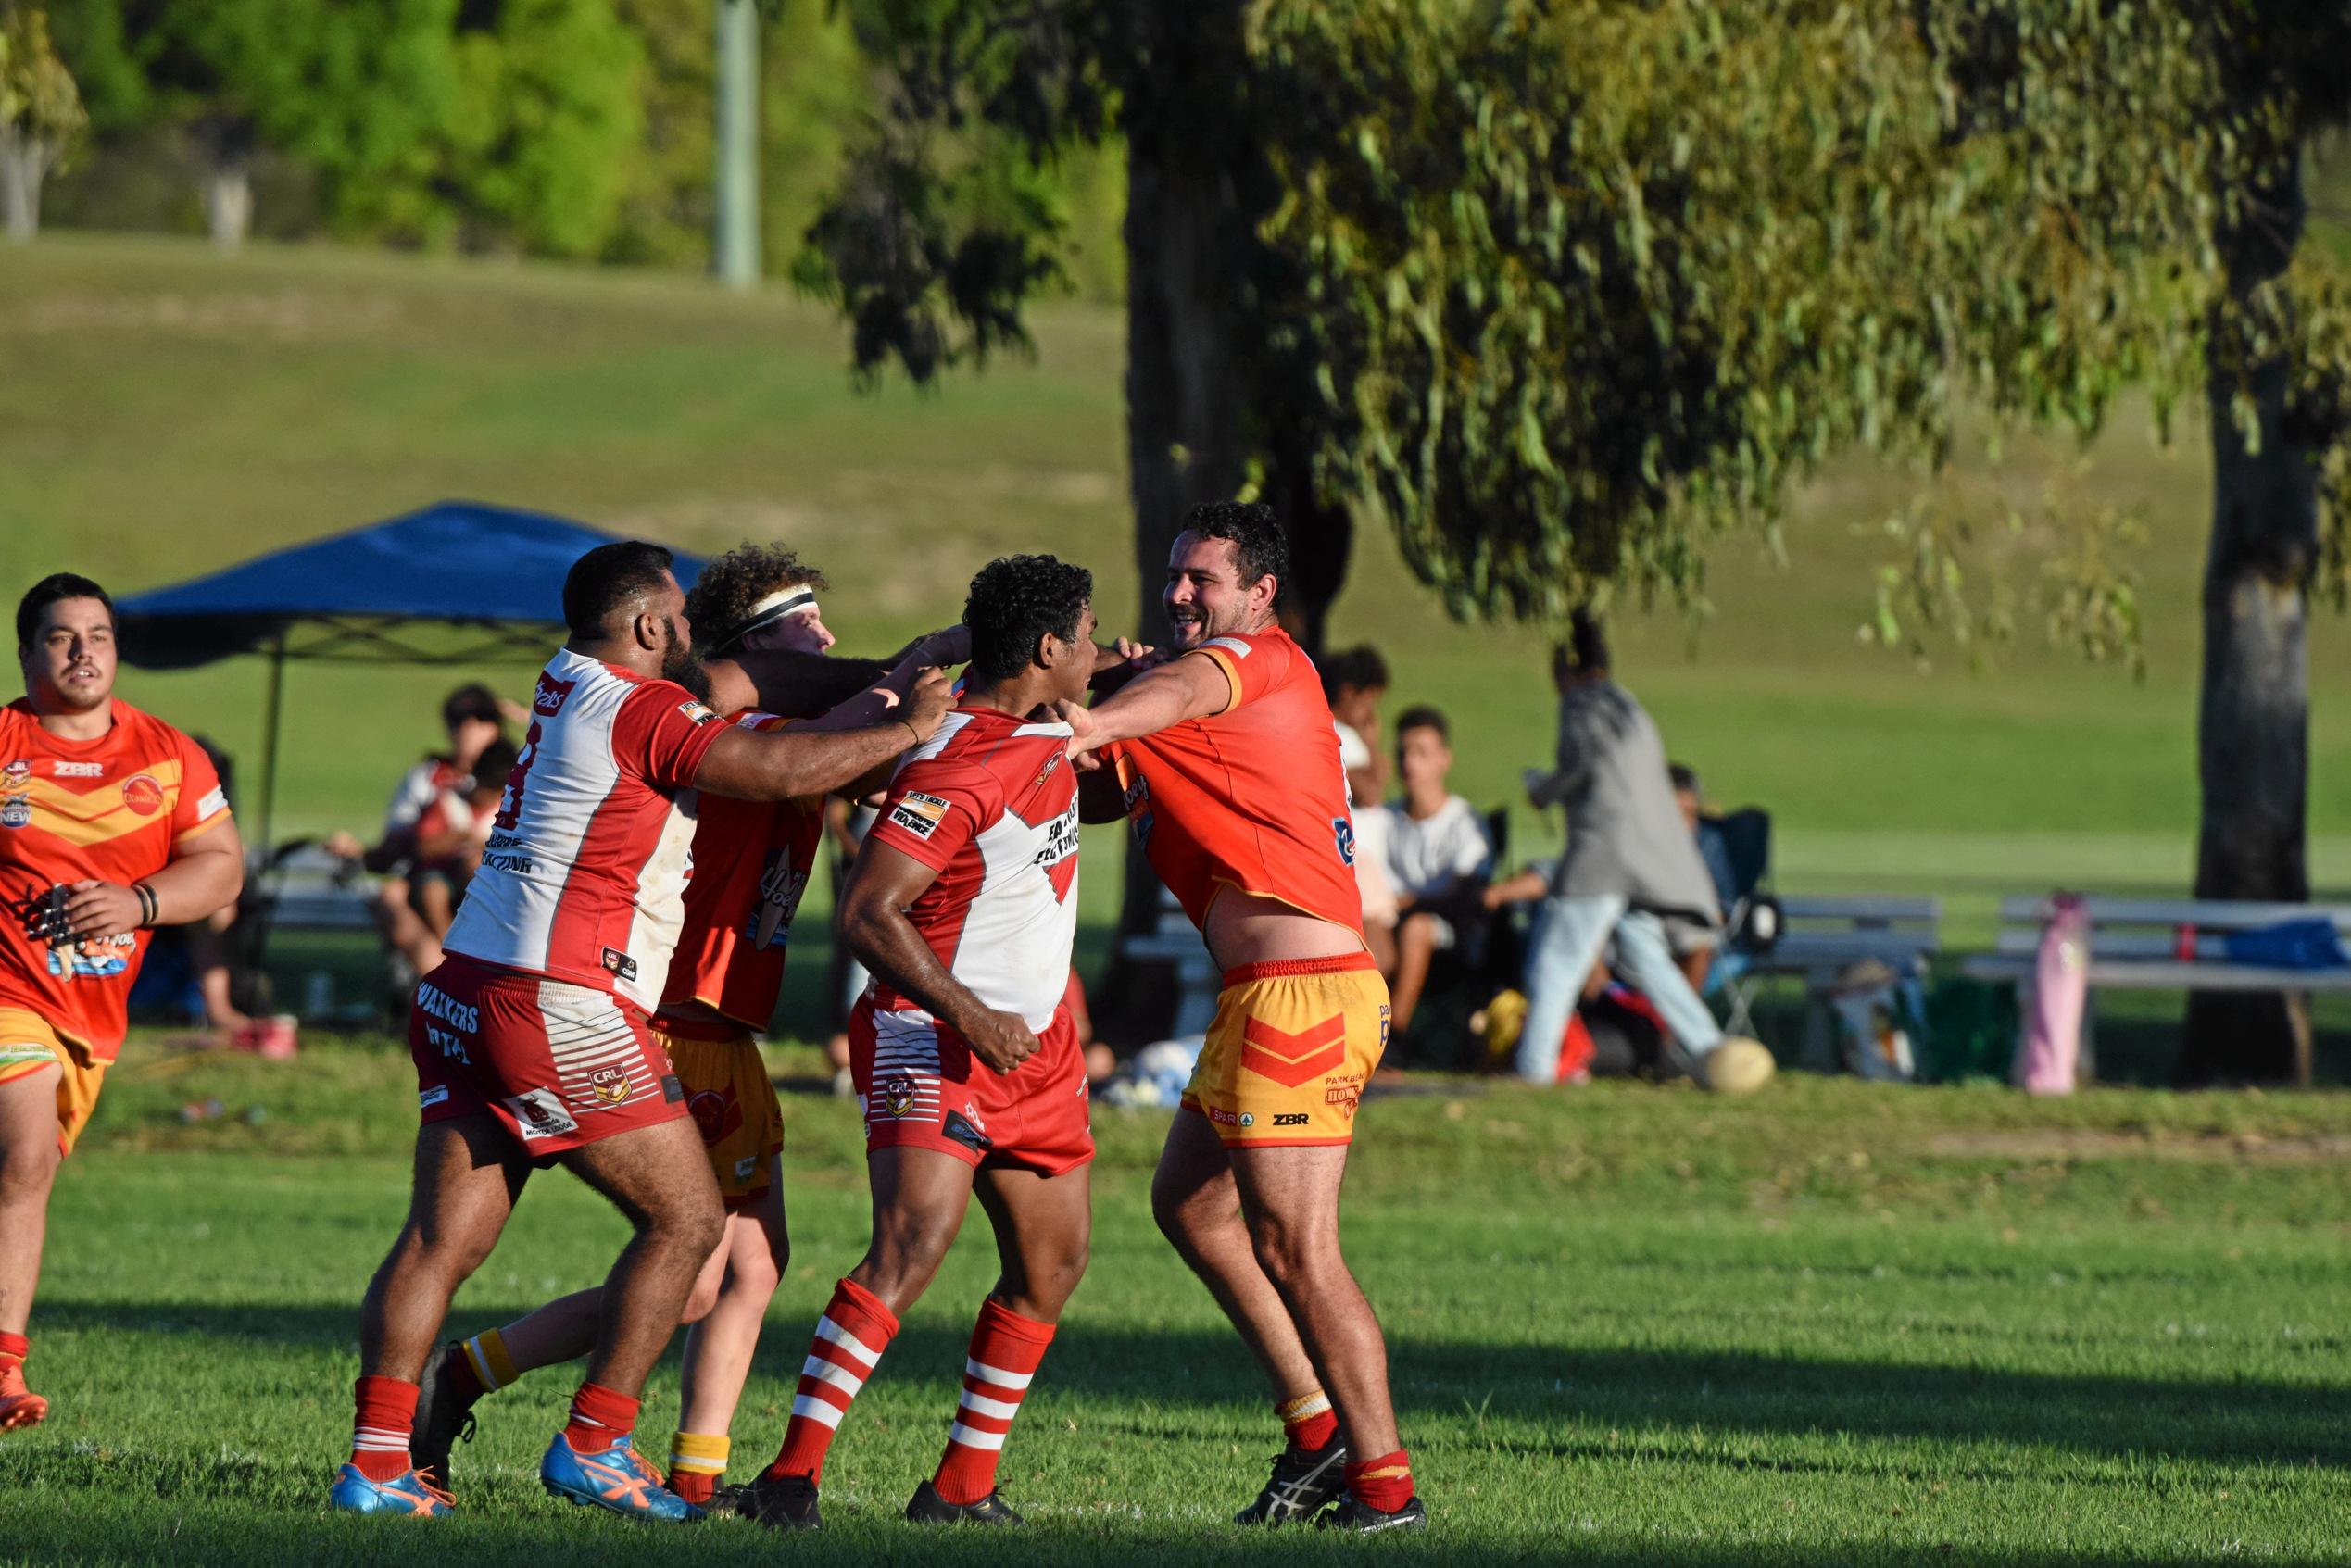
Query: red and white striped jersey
991	803
584	876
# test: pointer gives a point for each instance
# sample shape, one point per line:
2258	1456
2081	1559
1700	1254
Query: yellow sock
697	1460
492	1363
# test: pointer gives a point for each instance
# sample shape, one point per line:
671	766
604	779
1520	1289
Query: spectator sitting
430	843
1353	681
1694	943
1438	859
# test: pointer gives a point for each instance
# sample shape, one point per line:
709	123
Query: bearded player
532	1042
1226	760
112	823
751	861
964	904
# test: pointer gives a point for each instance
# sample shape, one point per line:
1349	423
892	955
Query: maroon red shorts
560	1065
923	1088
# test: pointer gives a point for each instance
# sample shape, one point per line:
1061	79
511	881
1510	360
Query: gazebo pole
269	710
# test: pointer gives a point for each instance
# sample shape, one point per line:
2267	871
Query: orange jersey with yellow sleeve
1252	798
751	863
116	808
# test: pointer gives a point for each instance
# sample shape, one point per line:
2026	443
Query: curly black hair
1261	548
721	599
1017	599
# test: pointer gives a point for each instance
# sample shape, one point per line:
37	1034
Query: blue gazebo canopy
363	594
373	595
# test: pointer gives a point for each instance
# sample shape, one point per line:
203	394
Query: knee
904	1259
759	1270
699	1302
27	1167
1292	1256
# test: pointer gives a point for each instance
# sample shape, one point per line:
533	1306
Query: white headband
771	609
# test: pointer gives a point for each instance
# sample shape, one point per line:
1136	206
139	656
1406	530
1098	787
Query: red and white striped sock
1006	1349
380	1430
851	1336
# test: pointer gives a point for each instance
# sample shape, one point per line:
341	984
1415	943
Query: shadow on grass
1504	1388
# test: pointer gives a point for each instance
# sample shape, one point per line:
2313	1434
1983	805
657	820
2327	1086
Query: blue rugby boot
619	1478
408	1493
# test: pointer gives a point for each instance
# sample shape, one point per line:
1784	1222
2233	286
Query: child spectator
1438	859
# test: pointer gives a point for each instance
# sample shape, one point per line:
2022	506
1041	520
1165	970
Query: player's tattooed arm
751	765
884	884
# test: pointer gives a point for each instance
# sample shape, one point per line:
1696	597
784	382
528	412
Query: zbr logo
1344	832
143	794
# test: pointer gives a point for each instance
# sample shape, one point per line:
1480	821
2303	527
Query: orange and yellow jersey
116	808
1254	796
751	863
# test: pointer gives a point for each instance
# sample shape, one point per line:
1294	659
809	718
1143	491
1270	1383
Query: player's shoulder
1005	745
135	727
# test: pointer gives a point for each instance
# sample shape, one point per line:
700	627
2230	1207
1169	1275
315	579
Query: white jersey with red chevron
991	803
585	873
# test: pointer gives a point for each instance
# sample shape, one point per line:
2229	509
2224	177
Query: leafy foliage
38	99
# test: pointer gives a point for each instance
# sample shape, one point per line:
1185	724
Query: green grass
1833	1325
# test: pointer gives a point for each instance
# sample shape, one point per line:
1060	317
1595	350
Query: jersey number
510	802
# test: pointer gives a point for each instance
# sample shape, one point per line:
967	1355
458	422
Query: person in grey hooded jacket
1630	865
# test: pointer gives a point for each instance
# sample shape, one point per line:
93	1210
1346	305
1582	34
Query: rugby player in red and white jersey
532	1039
964	904
1225	758
751	861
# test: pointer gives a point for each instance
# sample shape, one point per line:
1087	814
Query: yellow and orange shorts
732	1102
1291	1048
29	1043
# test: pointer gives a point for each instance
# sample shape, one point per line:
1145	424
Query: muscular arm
799	685
1182	688
884	883
806	760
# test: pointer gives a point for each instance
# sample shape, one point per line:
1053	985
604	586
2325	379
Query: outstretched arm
1180	689
804	759
882	886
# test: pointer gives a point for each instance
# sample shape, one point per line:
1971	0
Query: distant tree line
565	128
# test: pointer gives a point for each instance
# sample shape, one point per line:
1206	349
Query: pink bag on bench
2060	985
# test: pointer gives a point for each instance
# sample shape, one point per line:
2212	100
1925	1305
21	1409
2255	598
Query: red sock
1385	1483
1006	1349
1309	1422
600	1417
697	1486
380	1430
851	1336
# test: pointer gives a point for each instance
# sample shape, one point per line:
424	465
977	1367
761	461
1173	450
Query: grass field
1829	1325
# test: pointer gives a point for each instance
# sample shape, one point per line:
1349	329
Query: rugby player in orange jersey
751	861
1225	757
112	823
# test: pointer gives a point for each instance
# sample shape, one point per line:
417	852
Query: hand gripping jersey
991	803
112	809
1252	796
585	871
751	863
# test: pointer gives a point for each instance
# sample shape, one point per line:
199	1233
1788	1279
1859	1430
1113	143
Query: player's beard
679	664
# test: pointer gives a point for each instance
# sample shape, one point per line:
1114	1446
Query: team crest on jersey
716	1113
609	1085
16	775
619	963
16	811
896	1094
143	794
1344	832
918	813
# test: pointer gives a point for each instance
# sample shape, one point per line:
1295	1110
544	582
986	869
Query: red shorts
922	1089
560	1065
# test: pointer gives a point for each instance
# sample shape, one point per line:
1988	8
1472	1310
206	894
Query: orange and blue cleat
408	1493
618	1478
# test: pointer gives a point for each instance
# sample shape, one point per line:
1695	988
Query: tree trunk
228	204
1321	538
24	162
1186	402
2253	719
